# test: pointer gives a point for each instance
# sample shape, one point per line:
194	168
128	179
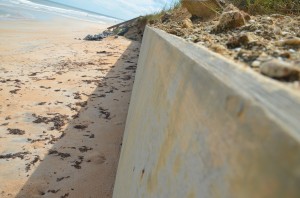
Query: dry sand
63	108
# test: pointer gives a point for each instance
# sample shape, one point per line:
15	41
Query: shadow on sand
83	162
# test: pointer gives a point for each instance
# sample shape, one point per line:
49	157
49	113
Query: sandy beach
63	108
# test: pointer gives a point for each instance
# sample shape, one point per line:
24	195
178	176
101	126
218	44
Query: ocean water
44	9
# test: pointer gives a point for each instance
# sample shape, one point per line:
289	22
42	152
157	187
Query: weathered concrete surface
198	126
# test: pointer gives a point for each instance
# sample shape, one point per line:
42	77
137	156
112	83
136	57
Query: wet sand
63	108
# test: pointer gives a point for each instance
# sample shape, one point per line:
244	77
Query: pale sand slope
69	104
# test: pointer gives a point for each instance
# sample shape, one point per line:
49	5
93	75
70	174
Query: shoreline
63	110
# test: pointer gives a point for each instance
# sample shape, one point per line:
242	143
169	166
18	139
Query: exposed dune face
63	108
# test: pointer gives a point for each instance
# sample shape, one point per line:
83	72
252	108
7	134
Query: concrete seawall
200	126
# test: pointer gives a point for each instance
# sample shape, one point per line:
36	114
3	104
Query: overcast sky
124	9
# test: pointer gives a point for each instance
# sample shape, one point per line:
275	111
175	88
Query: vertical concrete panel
200	126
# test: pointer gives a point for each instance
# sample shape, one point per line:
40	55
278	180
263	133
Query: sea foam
51	8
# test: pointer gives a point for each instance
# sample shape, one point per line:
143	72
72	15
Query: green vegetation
268	6
251	6
174	5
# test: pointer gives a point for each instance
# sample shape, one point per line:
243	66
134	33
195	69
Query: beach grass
251	6
167	8
268	6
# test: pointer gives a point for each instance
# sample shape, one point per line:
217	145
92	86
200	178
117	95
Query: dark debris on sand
81	126
61	155
62	178
58	121
32	163
77	96
104	113
20	155
16	131
85	149
14	91
65	195
81	104
77	163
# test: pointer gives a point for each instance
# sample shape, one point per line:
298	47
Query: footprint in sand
96	158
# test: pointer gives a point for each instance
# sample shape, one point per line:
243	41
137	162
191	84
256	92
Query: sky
123	9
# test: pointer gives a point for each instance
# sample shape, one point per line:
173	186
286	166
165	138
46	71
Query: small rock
193	38
176	31
285	55
238	49
231	7
284	33
93	38
98	37
246	16
187	23
166	17
292	50
220	49
231	18
277	30
122	31
263	57
267	20
240	40
280	70
293	42
256	64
